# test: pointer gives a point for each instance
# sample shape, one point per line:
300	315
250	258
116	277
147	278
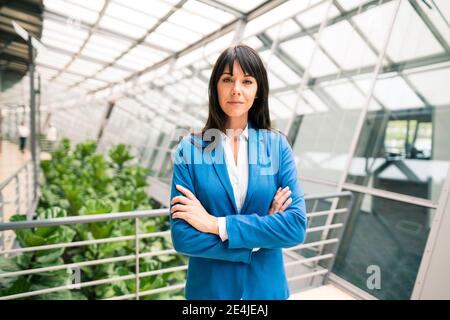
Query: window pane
404	151
384	235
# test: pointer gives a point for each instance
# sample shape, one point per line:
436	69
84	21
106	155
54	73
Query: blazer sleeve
185	238
281	229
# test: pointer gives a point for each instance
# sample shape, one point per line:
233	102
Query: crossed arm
195	231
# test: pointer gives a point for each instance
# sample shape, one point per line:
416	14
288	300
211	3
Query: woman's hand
191	210
281	200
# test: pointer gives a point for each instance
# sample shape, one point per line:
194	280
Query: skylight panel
243	6
301	49
125	28
179	33
109	42
433	85
410	37
67	46
274	16
84	67
165	41
64	30
112	74
53	59
346	95
279	68
278	108
394	93
130	63
103	54
439	16
346	47
72	10
132	16
274	81
317	14
207	11
282	30
348	5
153	8
193	22
94	5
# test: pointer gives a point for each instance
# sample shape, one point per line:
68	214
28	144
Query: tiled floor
326	292
11	159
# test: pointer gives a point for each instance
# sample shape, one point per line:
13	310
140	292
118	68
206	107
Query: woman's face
236	92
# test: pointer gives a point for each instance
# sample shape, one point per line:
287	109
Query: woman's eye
248	81
226	80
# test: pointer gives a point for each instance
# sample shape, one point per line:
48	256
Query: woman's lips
235	102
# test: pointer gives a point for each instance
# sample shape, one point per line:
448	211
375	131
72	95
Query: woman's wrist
214	225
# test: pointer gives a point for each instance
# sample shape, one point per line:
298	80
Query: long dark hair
251	64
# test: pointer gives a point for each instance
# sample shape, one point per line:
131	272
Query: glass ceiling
149	50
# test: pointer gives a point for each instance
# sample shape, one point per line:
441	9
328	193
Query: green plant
82	182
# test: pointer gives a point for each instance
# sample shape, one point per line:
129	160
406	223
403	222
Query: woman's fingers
179	207
180	199
280	199
180	215
286	204
186	192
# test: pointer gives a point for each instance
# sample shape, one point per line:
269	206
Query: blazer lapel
220	166
253	151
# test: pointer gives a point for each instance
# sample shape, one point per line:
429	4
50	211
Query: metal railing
16	195
321	255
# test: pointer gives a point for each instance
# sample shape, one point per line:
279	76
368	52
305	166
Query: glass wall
384	235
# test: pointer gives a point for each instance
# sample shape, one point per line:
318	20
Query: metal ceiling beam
346	16
266	6
91	31
300	71
430	25
59	18
224	7
84	57
174	9
394	67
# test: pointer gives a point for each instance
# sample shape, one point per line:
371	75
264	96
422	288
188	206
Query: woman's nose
236	90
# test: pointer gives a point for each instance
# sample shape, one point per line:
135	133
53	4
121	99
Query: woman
235	199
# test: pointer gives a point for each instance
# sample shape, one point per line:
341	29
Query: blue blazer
229	269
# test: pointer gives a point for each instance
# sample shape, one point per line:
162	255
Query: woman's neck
237	124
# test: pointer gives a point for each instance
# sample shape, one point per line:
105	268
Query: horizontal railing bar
164	289
86	263
324	213
331	226
167	270
84	219
328	195
312	259
307	275
149	292
117	216
86	242
312	244
5	182
92	283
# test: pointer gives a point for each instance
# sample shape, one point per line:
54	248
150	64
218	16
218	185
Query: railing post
2	235
27	195
17	200
137	256
339	236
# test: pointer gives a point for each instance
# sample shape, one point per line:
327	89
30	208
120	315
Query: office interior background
360	87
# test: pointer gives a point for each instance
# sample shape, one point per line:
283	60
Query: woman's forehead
236	69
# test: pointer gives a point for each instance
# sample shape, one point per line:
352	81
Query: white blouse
238	174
